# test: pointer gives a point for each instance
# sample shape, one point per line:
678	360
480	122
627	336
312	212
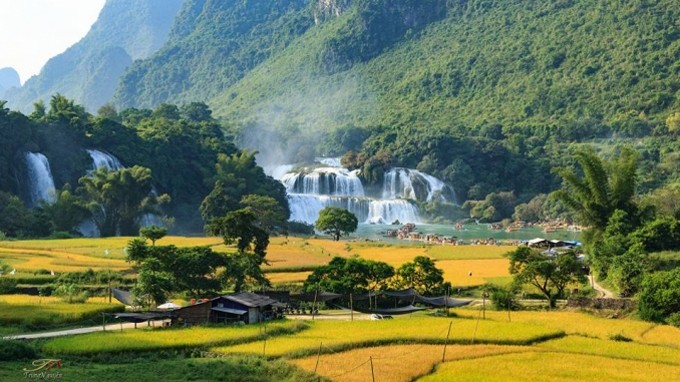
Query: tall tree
422	275
241	227
603	187
336	222
119	199
549	274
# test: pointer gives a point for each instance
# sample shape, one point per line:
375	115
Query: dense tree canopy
336	222
119	199
550	274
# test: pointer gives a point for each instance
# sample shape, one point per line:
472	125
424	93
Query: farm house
243	307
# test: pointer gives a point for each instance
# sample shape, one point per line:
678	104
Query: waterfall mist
41	184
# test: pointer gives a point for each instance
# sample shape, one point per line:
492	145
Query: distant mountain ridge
9	78
88	71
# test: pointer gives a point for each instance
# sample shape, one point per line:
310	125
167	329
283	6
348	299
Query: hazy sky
33	31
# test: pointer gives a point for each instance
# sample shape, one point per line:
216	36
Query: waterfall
324	181
102	159
404	183
41	183
312	189
389	211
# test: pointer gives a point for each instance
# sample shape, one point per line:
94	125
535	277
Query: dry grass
483	271
552	367
343	335
389	361
468	252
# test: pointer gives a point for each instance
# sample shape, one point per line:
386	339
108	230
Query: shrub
674	319
659	295
15	350
503	298
300	228
71	293
7	285
619	338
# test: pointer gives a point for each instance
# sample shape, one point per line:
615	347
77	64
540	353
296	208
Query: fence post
351	307
372	373
447	341
318	356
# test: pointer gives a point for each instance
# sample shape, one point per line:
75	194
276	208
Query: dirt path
604	293
91	329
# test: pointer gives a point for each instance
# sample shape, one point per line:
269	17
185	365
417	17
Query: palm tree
604	187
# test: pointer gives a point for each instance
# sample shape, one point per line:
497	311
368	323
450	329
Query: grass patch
345	335
551	367
288	277
231	369
153	339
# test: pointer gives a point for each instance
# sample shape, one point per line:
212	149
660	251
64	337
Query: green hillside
88	71
212	45
607	66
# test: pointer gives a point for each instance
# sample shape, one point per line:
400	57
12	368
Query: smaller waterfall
389	211
102	159
41	183
404	183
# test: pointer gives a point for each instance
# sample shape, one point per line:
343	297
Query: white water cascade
102	159
312	189
412	184
41	183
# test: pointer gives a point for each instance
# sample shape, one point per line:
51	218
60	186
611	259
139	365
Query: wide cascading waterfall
41	184
324	181
311	190
102	159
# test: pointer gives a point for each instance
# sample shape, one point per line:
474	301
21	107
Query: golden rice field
468	252
295	255
575	323
36	310
474	272
288	277
72	255
339	335
388	361
614	349
147	339
552	367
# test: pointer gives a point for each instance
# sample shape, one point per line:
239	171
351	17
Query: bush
7	285
11	350
674	319
503	298
660	296
300	228
71	293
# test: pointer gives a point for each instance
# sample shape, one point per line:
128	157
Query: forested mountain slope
212	45
88	71
591	67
